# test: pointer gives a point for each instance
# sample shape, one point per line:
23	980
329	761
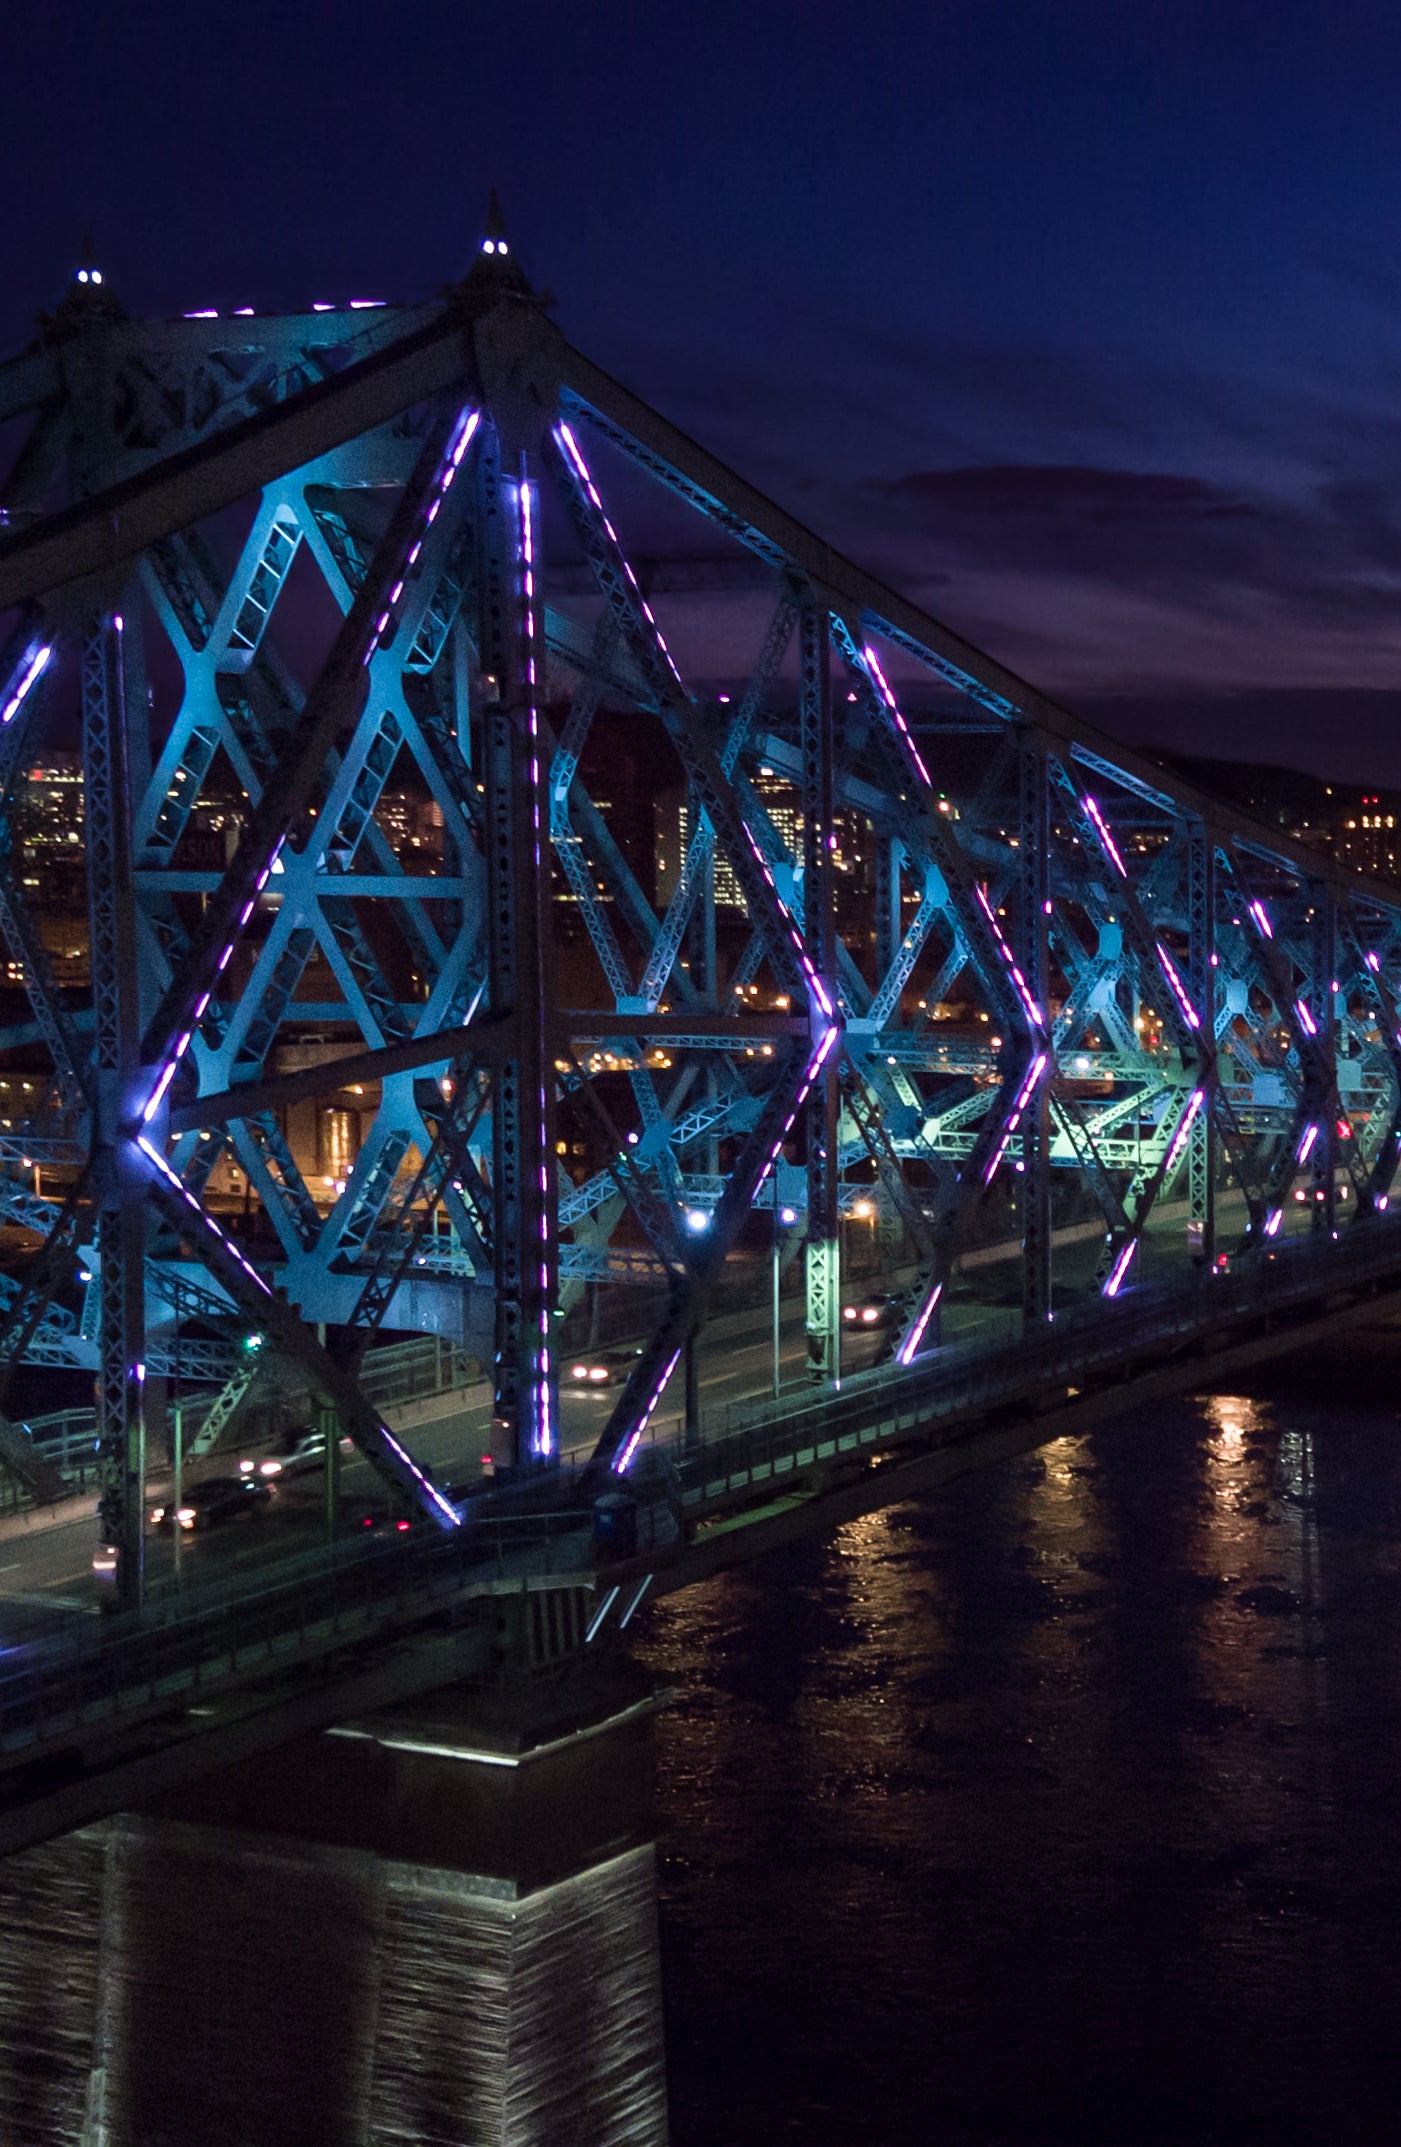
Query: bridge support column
431	1926
1203	1148
1034	873
823	1252
121	1210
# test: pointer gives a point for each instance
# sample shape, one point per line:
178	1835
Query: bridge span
537	894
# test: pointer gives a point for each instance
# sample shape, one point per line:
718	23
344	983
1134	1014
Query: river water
1062	1807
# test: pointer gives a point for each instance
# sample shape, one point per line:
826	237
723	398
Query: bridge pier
434	1926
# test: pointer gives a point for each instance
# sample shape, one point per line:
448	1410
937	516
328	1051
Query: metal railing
966	1378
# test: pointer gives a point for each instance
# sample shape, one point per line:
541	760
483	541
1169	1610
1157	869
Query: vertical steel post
119	1185
889	852
823	1249
1034	876
511	641
1202	985
1324	1157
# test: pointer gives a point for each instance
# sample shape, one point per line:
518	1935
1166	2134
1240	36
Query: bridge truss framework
1163	1001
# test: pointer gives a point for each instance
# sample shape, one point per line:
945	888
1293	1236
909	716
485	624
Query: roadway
45	1556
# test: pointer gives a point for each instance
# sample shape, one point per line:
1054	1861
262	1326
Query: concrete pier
436	1926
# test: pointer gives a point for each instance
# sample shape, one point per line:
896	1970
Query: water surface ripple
1059	1808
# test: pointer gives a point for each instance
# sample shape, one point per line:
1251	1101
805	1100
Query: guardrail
92	1672
877	1406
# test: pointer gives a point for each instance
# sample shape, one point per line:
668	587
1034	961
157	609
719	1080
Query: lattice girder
927	943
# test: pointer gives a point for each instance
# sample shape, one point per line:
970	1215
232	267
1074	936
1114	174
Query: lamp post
783	1219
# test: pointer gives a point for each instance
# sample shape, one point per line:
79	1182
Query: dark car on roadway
870	1314
211	1503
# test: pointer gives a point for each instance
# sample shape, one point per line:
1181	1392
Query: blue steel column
1034	840
823	1248
525	1248
118	1183
1202	985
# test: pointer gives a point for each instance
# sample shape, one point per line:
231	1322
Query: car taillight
402	1527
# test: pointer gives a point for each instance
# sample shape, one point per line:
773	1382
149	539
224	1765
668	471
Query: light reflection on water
1059	1808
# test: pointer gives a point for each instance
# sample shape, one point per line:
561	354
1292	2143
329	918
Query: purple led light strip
878	679
625	1456
171	1066
1111	848
544	1438
207	1222
1184	1127
28	678
909	1349
570	445
1003	948
1179	989
452	461
813	981
1121	1267
1014	1116
829	1038
567	441
1306	1144
1306	1020
1257	911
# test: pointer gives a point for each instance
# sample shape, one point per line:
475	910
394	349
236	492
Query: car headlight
870	1316
849	1312
157	1516
581	1371
599	1373
269	1468
185	1515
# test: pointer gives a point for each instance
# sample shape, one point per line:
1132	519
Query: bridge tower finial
496	258
88	294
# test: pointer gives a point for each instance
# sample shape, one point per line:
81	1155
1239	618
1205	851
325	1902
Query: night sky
1080	320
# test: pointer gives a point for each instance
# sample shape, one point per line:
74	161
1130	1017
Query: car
211	1503
881	1310
605	1368
367	1516
299	1455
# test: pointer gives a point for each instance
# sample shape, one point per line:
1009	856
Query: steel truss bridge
263	571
